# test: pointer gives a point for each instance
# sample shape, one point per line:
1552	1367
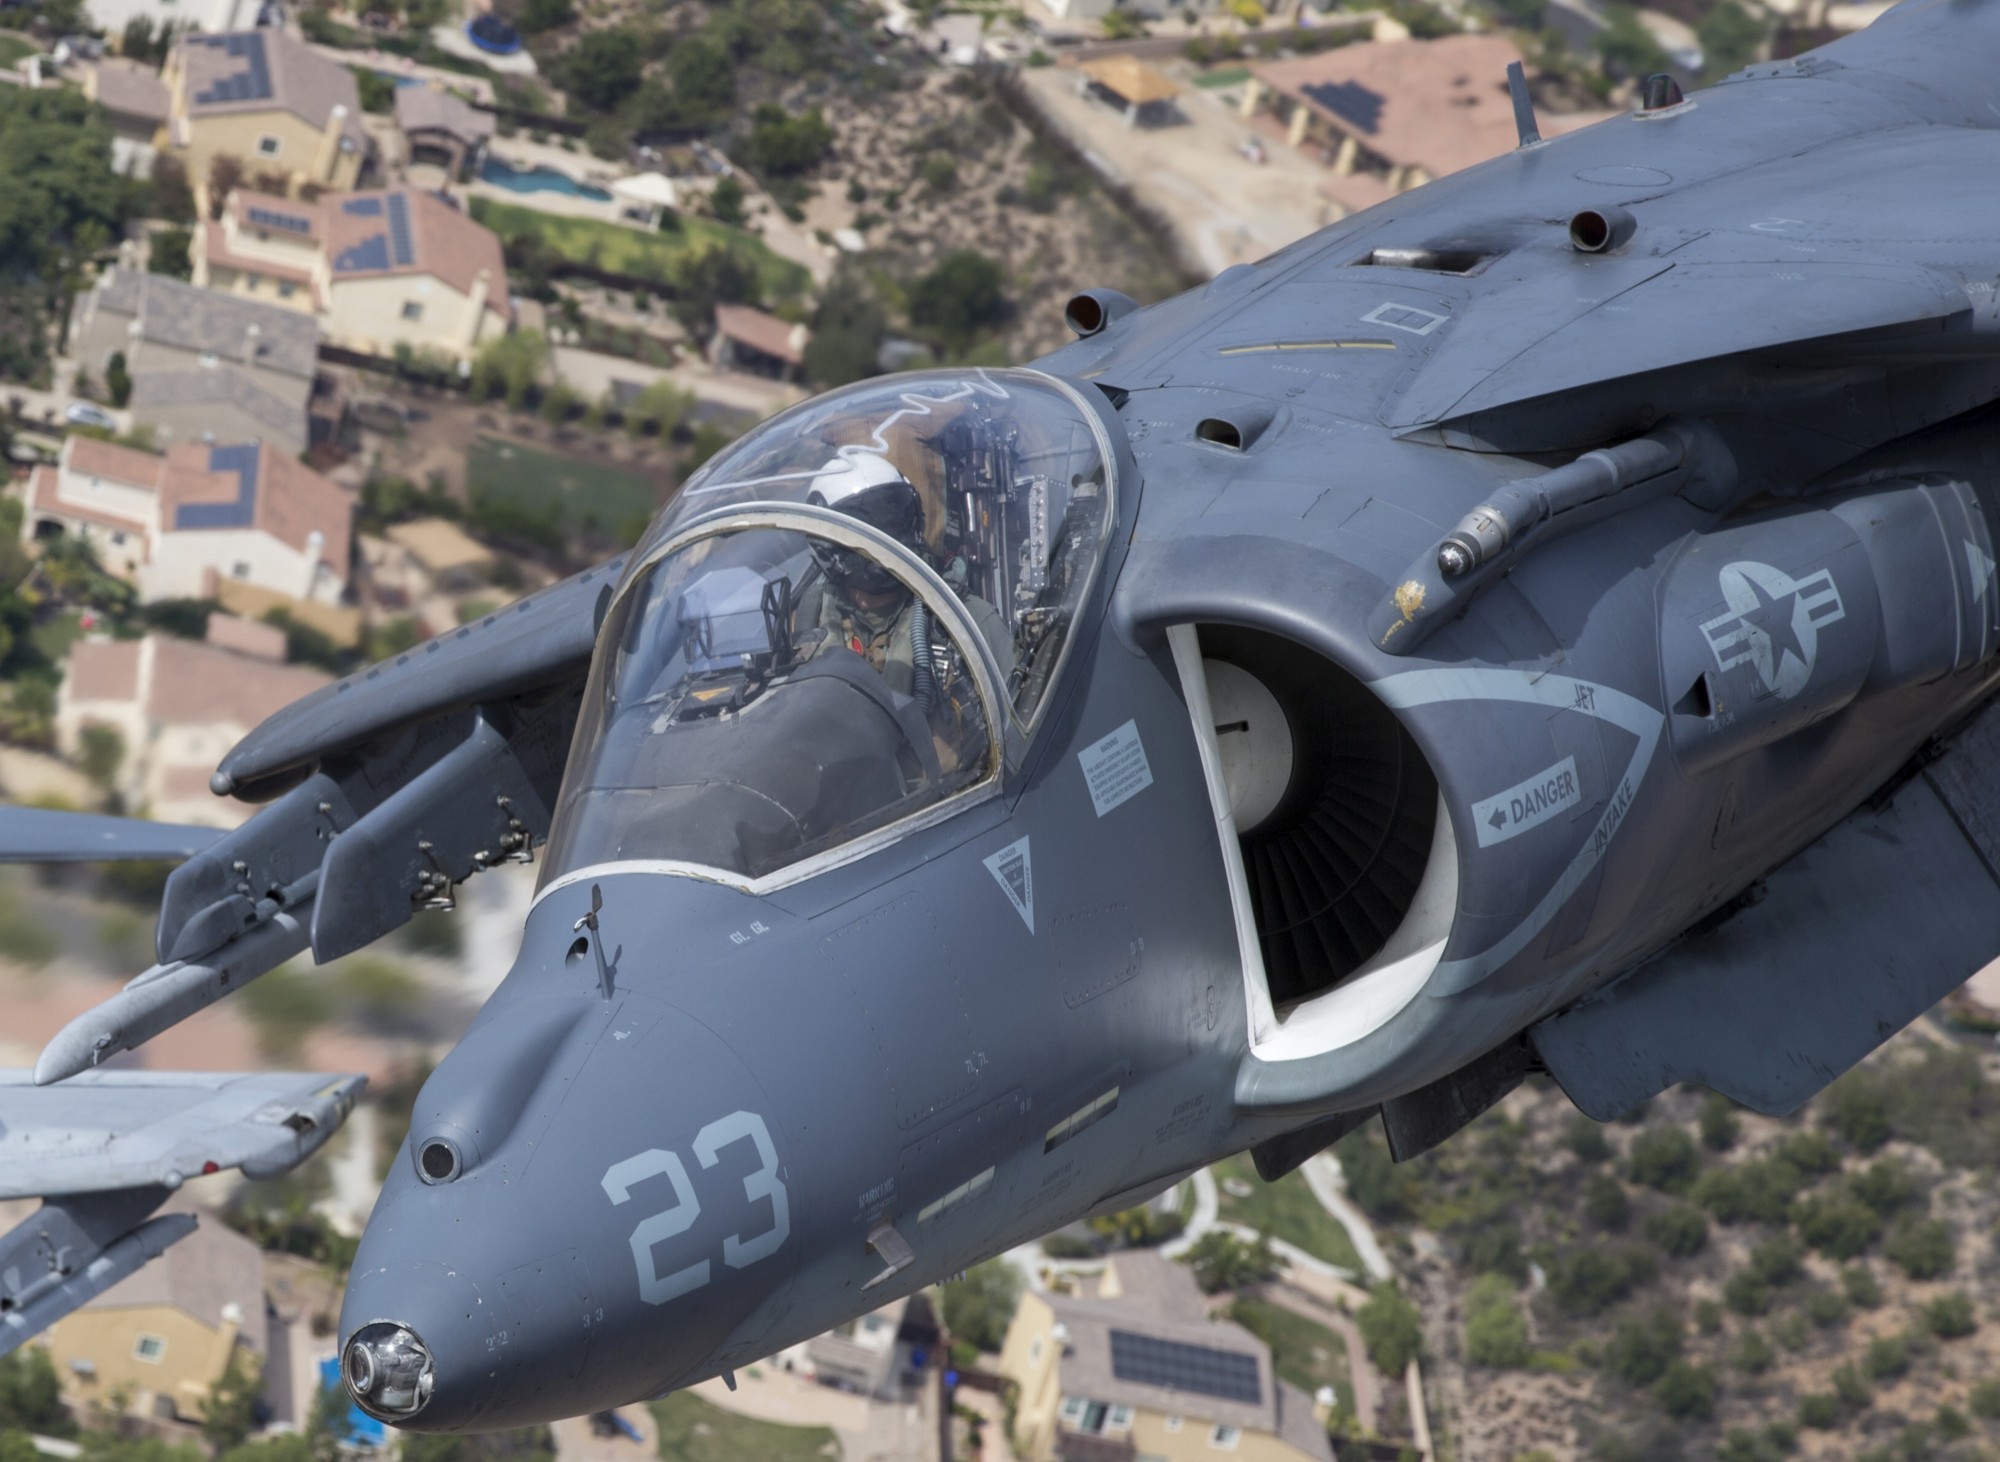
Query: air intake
1334	860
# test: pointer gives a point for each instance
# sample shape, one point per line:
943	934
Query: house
382	270
270	102
440	127
759	344
452	560
161	1338
212	16
176	525
1138	1369
178	706
867	1356
204	365
1389	115
135	99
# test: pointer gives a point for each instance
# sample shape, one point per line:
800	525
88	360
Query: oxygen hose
923	685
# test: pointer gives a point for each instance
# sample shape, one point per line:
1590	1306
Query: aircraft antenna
589	921
1524	106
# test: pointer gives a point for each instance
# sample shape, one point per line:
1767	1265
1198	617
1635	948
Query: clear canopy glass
763	695
1008	474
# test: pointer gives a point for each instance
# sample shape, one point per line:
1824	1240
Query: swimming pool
537	179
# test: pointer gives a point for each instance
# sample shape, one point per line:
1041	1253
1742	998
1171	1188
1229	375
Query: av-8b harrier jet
1541	623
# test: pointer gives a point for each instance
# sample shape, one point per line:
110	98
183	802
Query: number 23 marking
737	1252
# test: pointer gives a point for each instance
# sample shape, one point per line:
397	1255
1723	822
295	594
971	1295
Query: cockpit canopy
1000	481
827	632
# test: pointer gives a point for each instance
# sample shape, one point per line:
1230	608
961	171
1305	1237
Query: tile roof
196	684
107	459
129	88
408	231
187	317
103	670
1439	104
267	70
433	109
1090	1368
212	1268
222	385
762	332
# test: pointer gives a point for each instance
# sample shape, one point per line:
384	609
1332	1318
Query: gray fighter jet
1541	623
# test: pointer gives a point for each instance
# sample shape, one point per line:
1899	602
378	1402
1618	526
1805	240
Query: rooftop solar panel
289	222
401	247
371	253
1147	1360
242	462
362	207
251	82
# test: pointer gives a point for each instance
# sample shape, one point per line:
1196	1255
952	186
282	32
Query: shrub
1604	1203
1391	1329
1681	1230
1888	1187
1496	1332
1921	1247
1688	1391
1585	1139
1665	1158
1857	1109
1861	1286
1887	1357
1849	1386
1819	1410
1746	1294
1641	1350
1951	1423
1951	1316
1827	1308
1590	1280
1838	1225
1760	1191
1984	1398
1775	1443
1718	1122
1810	1152
1753	1353
1776	1261
785	146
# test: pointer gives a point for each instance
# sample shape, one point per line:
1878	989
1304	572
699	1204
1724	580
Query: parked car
82	413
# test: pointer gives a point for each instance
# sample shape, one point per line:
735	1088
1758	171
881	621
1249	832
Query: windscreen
1012	495
762	696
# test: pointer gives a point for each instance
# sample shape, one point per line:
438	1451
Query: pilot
865	606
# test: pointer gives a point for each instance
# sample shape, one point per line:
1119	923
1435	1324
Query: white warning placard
1115	768
1527	804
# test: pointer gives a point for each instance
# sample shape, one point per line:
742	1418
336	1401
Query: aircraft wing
39	835
385	789
109	1147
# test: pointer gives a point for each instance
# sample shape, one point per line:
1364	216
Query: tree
702	79
1680	1231
960	297
979	1307
510	365
31	1394
117	379
1688	1391
225	175
231	1412
1496	1332
660	410
847	331
170	252
725	201
1627	47
1665	1158
784	146
1730	37
1641	1350
102	752
544	15
603	68
708	276
1221	1260
1391	1329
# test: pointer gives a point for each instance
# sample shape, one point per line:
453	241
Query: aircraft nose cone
388	1370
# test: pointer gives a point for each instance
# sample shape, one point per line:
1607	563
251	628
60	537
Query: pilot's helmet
868	487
